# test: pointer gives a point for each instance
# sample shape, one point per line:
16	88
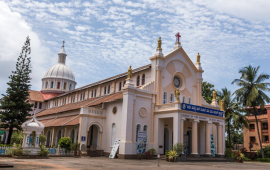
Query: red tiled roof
47	96
78	105
60	121
35	95
75	121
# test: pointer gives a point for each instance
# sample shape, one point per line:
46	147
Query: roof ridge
71	120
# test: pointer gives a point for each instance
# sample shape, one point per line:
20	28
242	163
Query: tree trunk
229	133
9	135
255	111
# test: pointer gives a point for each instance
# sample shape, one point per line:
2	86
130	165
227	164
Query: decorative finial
221	105
63	43
177	37
177	94
214	94
159	44
129	73
198	58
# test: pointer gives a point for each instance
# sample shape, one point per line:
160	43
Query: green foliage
152	151
18	152
17	137
228	152
6	145
266	151
178	147
43	151
251	92
167	154
207	91
42	138
247	159
15	102
239	155
65	142
264	159
172	154
75	146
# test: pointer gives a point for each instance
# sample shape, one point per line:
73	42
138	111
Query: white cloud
13	33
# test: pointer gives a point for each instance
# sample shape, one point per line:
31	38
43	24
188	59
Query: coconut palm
233	111
252	91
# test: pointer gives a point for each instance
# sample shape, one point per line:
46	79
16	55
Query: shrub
17	137
253	155
152	151
239	155
228	153
172	154
17	152
42	138
264	159
65	142
75	146
43	151
178	147
266	150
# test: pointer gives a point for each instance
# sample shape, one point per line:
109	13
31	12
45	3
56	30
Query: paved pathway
68	163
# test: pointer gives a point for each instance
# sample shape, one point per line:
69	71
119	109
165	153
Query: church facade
163	99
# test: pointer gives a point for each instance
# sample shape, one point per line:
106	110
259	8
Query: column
53	136
176	129
220	140
37	139
182	130
27	139
207	139
195	138
100	140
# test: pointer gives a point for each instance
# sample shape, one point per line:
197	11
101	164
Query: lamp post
158	156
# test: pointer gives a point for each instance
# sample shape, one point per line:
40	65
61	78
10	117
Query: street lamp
158	156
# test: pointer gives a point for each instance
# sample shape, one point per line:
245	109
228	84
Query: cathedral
162	99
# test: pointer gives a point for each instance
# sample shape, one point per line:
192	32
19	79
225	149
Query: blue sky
104	37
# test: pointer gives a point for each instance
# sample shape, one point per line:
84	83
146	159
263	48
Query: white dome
33	124
60	70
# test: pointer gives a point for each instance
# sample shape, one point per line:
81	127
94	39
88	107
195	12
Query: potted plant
172	155
139	157
239	157
75	147
178	148
167	155
148	154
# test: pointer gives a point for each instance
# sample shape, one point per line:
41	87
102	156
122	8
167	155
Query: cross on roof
63	43
178	37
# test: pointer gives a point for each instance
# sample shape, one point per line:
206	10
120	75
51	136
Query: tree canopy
207	91
16	100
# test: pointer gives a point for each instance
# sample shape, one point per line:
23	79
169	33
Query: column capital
182	118
195	120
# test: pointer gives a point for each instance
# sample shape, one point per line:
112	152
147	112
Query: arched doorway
189	142
92	137
166	140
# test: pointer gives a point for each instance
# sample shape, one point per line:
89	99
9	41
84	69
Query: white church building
119	108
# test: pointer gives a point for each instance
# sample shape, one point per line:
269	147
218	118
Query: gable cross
177	37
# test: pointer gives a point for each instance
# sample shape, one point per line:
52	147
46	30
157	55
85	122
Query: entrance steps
95	153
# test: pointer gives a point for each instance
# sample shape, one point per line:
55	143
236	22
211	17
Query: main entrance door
92	139
166	140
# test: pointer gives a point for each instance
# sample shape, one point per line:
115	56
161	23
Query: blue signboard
203	110
83	138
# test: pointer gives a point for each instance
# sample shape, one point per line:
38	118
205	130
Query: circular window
114	110
176	81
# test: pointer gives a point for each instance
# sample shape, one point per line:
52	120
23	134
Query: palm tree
232	111
251	91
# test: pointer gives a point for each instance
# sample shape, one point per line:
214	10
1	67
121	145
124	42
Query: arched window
120	86
109	89
137	131
40	105
58	85
95	92
104	89
51	84
189	100
83	95
145	129
113	134
70	87
65	84
165	97
184	99
138	80
143	79
46	85
172	98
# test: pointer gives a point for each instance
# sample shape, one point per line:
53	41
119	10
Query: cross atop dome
63	43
